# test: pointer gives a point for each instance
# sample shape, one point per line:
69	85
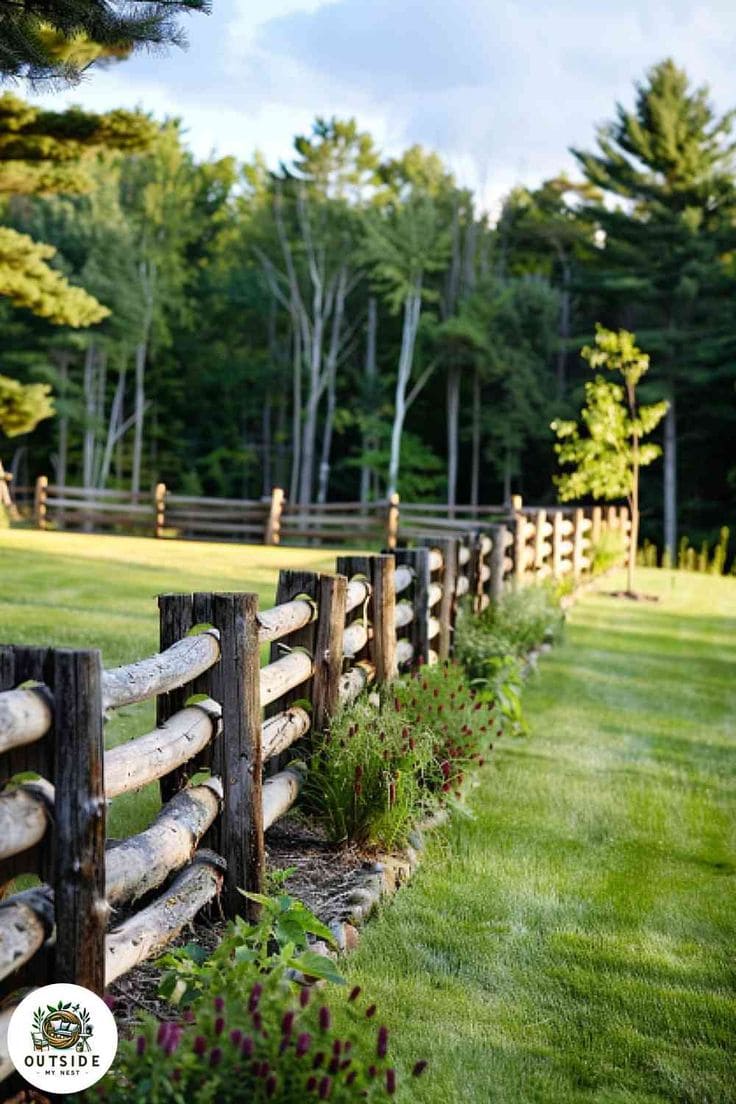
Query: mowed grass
575	940
82	591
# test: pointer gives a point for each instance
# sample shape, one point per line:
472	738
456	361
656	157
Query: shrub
608	551
381	769
249	1033
522	619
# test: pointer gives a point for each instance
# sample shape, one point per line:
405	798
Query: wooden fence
221	715
274	520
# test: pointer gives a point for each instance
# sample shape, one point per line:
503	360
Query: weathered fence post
519	539
541	546
448	546
392	522
499	536
272	533
418	560
379	571
159	508
79	828
557	538
596	517
578	534
328	649
39	501
175	620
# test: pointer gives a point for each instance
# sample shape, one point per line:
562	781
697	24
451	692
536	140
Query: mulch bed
323	877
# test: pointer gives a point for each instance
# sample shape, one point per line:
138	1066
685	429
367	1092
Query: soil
632	595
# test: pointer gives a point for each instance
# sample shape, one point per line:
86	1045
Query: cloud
501	88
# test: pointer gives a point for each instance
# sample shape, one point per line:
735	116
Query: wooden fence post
596	517
176	618
418	560
519	539
39	501
557	538
236	755
540	543
379	571
392	522
79	829
272	534
328	649
498	534
159	508
448	546
578	535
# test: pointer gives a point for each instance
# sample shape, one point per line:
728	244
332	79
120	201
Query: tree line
348	323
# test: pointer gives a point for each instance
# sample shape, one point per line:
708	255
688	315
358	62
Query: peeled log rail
6	1066
146	758
147	933
485	573
486	544
463	585
358	593
404	651
279	794
25	716
26	922
354	681
355	639
273	624
436	561
179	664
432	658
403	577
24	816
283	730
434	594
433	627
404	614
137	865
285	674
463	555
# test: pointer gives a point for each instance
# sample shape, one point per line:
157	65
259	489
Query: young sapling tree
607	452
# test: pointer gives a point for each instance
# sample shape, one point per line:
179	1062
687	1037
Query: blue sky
501	88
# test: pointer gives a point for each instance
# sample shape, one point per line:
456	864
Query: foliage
381	769
493	646
51	42
23	406
608	551
248	1032
28	281
608	456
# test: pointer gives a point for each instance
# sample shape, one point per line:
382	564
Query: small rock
416	839
320	947
373	867
352	937
339	932
361	897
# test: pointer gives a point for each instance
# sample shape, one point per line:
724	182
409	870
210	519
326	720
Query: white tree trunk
670	481
475	458
368	442
453	419
412	313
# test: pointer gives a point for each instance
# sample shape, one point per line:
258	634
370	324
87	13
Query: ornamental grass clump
382	769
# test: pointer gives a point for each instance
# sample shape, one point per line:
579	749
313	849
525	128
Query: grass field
575	940
76	590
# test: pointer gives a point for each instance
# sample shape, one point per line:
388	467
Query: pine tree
665	268
56	40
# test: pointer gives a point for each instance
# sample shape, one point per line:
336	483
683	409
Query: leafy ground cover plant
381	769
248	1032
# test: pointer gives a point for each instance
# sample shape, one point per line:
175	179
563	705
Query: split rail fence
102	907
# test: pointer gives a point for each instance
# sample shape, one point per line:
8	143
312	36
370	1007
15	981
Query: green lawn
77	590
575	941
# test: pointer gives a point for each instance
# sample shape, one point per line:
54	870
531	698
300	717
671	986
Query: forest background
345	323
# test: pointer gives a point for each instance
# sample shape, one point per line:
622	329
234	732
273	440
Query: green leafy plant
382	769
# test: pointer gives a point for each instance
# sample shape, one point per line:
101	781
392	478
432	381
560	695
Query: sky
500	88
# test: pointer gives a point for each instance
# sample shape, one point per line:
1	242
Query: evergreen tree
56	40
667	267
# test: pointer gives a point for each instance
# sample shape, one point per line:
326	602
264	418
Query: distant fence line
271	520
221	712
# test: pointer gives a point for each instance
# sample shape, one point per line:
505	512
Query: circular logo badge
62	1038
